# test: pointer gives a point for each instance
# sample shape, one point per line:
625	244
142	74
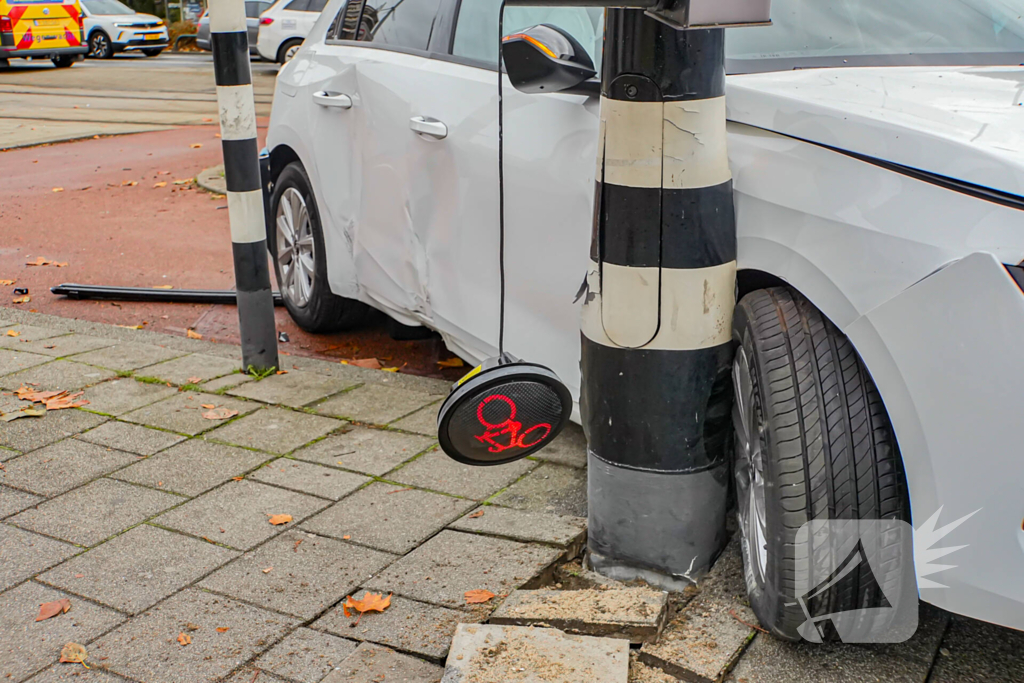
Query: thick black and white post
233	74
657	321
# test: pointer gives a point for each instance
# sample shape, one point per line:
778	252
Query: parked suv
253	10
285	25
111	26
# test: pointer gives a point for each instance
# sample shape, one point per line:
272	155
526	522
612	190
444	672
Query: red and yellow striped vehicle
41	29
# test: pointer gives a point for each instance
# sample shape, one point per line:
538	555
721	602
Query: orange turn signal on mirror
532	41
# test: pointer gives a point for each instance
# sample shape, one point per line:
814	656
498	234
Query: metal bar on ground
184	296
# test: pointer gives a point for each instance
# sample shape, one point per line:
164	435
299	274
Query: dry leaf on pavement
22	300
73	653
162	183
40	261
129	183
220	414
478	513
281	372
58	189
222	629
196	145
279	519
13	333
192	334
52	609
370	363
451	363
268	570
208	406
7	282
195	380
478	596
25	412
371	602
184	638
163	287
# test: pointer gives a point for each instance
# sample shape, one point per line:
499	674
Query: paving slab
192	467
227	381
249	674
57	375
95	511
26	646
130	437
62	466
237	513
15	360
323	482
549	488
386	517
374	664
139	568
75	673
641	673
519	654
522	525
121	396
29	333
26	554
441	570
408	625
306	655
976	652
128	356
294	388
194	368
423	421
308	575
635	614
67	345
29	433
438	472
12	501
568	448
371	451
183	412
375	404
146	648
275	430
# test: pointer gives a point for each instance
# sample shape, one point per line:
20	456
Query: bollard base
664	528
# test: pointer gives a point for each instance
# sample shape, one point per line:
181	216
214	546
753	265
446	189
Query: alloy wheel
98	45
748	421
296	254
291	52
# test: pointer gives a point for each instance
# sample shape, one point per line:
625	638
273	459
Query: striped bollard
233	74
657	322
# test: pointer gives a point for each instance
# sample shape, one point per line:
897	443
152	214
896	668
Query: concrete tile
373	663
137	569
30	333
373	451
26	646
67	673
183	412
59	374
192	369
95	511
976	652
241	509
132	438
309	478
62	466
26	554
28	433
441	570
192	467
568	448
641	673
146	648
67	345
16	359
128	356
275	430
375	404
521	525
295	389
247	674
306	655
408	625
309	574
12	501
534	655
549	488
387	517
635	614
121	396
423	421
227	381
438	472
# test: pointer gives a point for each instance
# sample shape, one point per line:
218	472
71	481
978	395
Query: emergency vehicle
41	29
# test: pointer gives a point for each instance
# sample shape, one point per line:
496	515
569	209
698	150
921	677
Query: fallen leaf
196	145
73	653
478	513
58	189
184	639
52	609
371	602
129	183
192	334
281	372
478	596
162	183
370	363
209	406
268	570
451	363
390	369
223	629
279	519
22	300
195	380
295	548
130	327
237	478
7	282
61	264
189	626
163	287
345	538
40	261
186	181
26	412
219	414
207	120
13	333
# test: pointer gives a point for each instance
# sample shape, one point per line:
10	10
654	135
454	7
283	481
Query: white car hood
965	123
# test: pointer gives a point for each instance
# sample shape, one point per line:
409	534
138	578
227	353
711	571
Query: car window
298	5
107	7
316	5
252	9
476	31
394	23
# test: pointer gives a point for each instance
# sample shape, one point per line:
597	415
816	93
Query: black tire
827	452
100	46
153	52
63	61
324	311
285	46
4	65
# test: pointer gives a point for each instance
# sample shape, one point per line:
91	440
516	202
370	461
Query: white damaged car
877	150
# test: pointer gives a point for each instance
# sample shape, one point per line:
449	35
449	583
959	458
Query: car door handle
425	125
332	99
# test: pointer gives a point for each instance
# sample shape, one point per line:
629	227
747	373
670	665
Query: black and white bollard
657	321
229	40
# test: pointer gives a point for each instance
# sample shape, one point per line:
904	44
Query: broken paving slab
522	525
305	655
522	654
634	614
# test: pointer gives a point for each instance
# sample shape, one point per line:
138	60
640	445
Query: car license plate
46	22
153	36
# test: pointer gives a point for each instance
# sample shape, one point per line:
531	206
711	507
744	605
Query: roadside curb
212	179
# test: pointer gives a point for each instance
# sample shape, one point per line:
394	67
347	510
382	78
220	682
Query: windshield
107	7
814	33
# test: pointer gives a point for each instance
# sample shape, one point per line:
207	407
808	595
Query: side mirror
545	58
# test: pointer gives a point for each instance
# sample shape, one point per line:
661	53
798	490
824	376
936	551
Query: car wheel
813	442
63	61
100	46
154	52
296	245
288	50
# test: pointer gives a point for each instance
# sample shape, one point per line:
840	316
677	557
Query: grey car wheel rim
748	422
290	52
296	255
98	45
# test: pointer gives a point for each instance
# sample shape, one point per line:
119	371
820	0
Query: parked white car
111	27
284	26
877	150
